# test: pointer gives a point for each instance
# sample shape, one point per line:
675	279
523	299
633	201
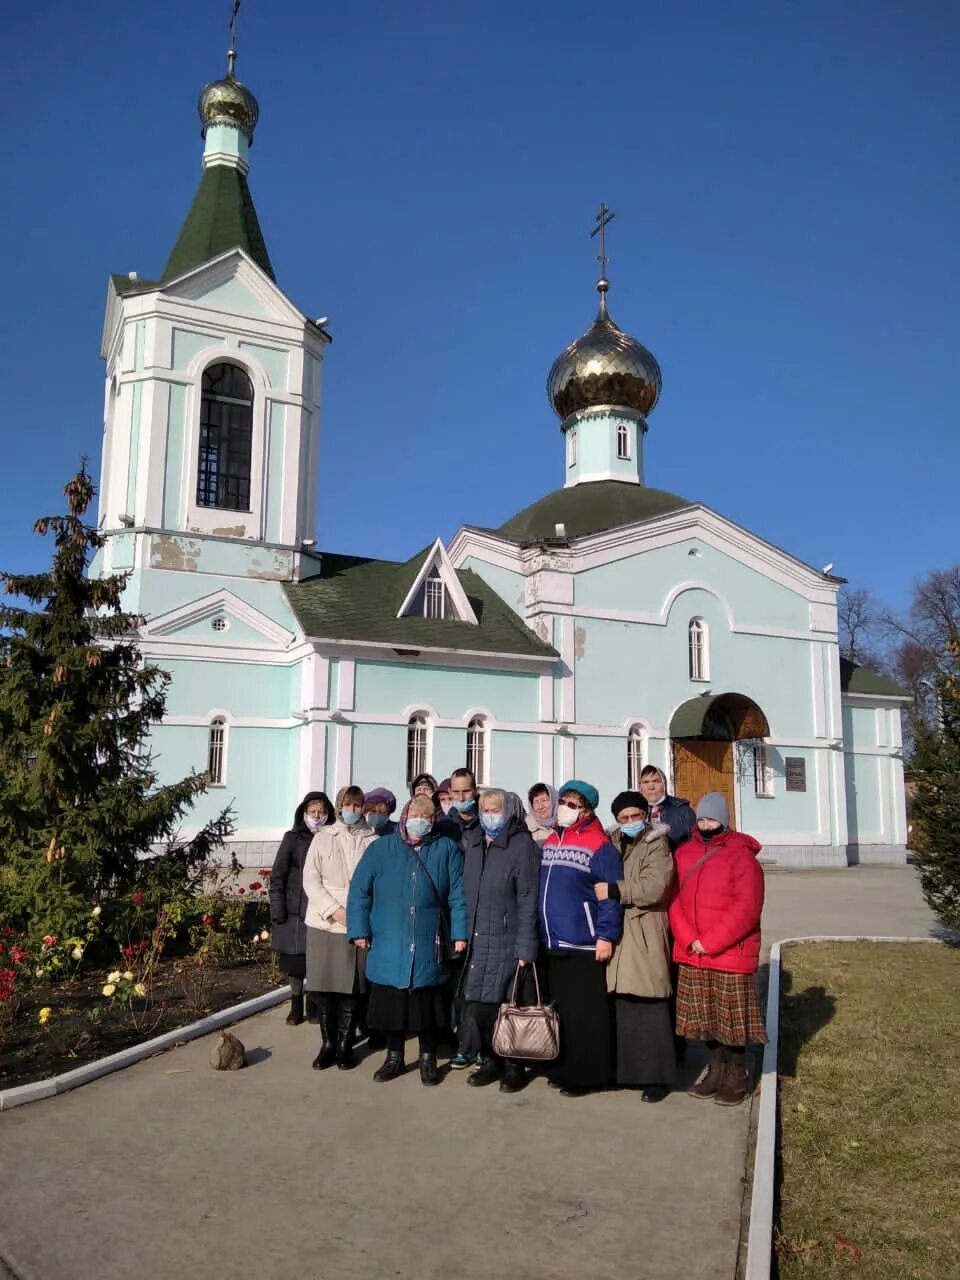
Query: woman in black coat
288	902
501	879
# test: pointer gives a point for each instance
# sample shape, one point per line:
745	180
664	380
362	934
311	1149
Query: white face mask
567	815
313	824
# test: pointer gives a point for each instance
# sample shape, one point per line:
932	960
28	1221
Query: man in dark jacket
288	902
673	812
501	879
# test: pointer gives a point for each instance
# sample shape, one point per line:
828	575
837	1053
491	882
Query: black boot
311	1012
487	1073
514	1076
345	1055
393	1063
328	1049
295	1016
428	1060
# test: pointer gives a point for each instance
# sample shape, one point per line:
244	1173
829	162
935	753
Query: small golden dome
227	101
605	366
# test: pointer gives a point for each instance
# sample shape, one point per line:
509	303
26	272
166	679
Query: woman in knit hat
638	975
715	918
379	806
579	932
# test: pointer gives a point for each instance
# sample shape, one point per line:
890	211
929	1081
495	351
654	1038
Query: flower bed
140	966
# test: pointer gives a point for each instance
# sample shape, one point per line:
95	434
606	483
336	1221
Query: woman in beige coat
638	974
335	977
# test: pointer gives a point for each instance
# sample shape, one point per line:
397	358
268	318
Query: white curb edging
21	1094
760	1238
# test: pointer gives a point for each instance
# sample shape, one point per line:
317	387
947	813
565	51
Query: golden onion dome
227	101
605	366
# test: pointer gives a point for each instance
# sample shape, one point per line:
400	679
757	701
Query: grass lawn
870	1110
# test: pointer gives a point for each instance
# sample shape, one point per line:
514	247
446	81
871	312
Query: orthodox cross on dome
232	51
604	217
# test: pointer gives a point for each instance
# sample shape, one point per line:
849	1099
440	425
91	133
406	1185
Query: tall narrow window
699	654
634	758
217	751
434	598
762	772
416	746
623	441
226	438
572	447
477	749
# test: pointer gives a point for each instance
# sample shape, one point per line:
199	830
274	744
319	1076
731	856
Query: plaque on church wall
795	768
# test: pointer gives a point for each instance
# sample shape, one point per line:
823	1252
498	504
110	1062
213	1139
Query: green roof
221	217
857	679
587	508
358	599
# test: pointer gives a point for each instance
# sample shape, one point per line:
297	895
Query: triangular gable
437	564
233	282
244	623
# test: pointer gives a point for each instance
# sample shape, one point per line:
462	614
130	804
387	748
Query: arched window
417	730
572	447
217	751
634	758
226	438
623	440
699	649
477	749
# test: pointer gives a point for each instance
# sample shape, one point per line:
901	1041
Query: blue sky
786	185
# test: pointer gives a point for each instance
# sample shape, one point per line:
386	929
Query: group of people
643	935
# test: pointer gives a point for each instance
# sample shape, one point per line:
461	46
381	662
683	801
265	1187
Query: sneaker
460	1061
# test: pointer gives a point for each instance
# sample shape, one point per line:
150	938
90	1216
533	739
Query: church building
508	649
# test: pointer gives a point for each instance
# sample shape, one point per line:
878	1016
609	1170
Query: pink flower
207	920
136	898
241	890
264	871
50	940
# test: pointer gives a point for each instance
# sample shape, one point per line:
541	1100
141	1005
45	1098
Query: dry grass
871	1119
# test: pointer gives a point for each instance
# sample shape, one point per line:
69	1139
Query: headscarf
511	806
663	781
402	823
551	819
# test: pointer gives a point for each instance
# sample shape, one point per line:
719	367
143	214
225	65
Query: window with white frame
417	741
572	447
477	749
762	771
217	751
434	598
623	440
634	758
698	645
225	455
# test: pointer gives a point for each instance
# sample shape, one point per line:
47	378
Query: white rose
76	953
109	989
96	911
127	976
265	935
114	976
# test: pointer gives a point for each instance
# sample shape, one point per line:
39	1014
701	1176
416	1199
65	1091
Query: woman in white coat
335	968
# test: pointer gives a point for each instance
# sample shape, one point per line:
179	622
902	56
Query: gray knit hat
714	805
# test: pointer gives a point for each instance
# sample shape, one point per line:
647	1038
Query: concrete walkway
284	1173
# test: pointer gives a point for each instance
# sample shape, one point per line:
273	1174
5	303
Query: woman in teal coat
402	885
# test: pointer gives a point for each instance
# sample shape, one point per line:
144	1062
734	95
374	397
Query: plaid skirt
719	1006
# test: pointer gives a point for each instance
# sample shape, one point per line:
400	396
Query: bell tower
213	378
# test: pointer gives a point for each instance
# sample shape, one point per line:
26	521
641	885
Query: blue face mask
464	806
350	816
377	820
417	828
492	823
632	829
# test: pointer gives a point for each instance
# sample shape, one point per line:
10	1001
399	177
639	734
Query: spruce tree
80	801
935	775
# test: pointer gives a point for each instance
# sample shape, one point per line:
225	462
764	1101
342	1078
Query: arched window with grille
477	753
217	752
417	743
623	440
699	649
635	761
225	454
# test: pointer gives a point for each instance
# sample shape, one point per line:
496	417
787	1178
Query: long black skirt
294	965
418	1010
578	988
645	1049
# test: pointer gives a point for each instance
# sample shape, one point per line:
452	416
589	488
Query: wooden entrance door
700	766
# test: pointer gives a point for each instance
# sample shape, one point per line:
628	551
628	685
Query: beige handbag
531	1032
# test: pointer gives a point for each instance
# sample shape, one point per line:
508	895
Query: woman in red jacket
715	919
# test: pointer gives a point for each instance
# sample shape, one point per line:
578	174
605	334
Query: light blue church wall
389	686
274	362
514	761
602	761
507	584
643	582
379	759
864	801
186	345
860	726
160	591
233	296
794	813
238	688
